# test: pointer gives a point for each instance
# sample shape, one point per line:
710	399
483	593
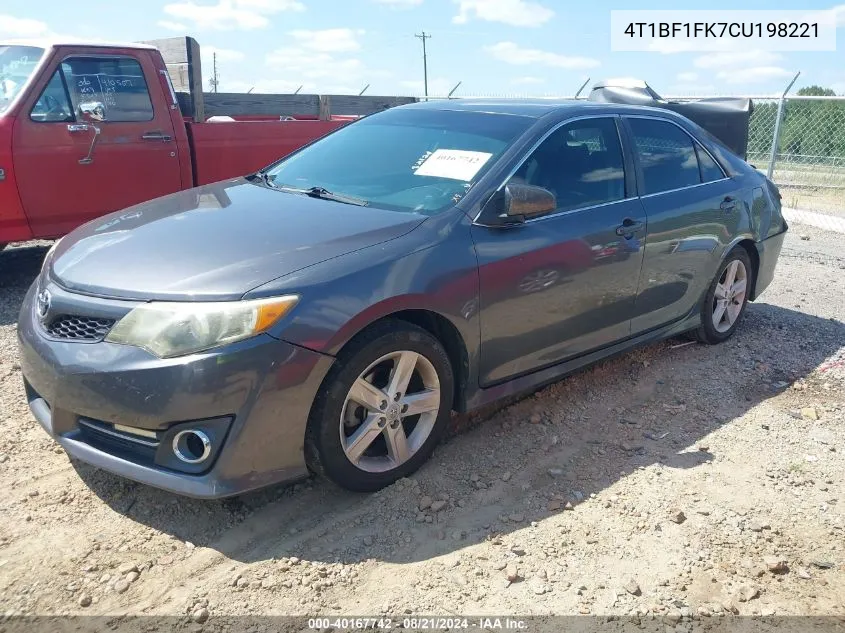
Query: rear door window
667	155
710	170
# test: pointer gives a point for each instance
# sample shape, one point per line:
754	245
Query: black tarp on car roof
725	118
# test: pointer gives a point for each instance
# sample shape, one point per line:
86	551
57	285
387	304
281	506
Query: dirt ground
674	484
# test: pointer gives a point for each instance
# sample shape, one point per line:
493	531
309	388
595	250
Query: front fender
433	268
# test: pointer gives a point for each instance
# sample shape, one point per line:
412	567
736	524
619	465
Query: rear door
693	212
63	181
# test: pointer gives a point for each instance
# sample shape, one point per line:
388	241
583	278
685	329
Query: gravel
563	502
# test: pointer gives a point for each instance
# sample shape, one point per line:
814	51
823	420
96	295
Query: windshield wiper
266	178
324	194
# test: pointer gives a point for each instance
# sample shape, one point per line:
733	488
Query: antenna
364	90
297	90
452	91
424	37
582	87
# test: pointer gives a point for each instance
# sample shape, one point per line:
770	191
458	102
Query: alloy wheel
729	297
390	411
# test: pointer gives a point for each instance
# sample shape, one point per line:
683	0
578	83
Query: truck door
67	173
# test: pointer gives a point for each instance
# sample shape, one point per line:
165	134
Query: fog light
191	446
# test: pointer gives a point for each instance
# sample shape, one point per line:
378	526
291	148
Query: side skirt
543	377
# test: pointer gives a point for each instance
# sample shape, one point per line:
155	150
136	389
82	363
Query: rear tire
382	408
724	304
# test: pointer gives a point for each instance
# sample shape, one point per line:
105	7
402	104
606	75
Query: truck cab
84	130
91	128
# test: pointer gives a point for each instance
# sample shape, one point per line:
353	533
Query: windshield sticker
420	161
456	164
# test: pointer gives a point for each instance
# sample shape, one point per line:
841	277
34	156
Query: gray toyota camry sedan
327	313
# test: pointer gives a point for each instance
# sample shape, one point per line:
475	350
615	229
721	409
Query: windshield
17	63
414	160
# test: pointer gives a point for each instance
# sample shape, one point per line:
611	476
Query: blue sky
527	47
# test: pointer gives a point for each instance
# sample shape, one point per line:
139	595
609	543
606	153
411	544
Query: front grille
79	328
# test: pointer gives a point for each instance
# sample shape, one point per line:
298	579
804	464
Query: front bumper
262	389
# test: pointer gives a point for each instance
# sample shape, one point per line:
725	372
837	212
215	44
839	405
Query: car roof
534	108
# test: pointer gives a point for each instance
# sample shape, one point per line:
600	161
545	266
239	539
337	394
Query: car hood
215	242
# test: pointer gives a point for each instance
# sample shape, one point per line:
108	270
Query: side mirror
92	112
526	201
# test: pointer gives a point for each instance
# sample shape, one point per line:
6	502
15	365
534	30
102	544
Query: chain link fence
805	152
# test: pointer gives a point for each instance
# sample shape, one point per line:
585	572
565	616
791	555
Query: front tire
726	299
382	408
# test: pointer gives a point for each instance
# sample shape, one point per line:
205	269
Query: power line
424	37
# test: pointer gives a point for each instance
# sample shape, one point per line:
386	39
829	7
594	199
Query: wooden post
325	107
182	59
195	78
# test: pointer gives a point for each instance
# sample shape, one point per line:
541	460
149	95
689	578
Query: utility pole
214	78
424	37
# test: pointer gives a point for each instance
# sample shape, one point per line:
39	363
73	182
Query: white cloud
437	86
301	63
229	15
524	81
11	26
687	77
755	74
402	4
328	40
513	12
172	26
512	53
223	55
736	59
682	89
833	14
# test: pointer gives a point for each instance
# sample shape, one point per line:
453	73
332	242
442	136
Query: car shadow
586	452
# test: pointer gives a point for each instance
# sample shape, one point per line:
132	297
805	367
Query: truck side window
53	105
116	82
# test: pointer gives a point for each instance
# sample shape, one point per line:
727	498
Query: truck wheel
382	408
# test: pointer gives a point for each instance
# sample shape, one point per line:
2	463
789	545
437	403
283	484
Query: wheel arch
751	248
440	327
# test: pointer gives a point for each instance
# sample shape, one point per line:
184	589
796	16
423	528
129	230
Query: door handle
628	227
157	136
77	127
728	204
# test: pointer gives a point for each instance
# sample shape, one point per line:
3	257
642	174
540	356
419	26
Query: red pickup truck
86	129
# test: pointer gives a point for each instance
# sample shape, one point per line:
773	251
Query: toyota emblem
42	305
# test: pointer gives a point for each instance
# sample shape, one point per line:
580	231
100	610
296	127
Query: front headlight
173	329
